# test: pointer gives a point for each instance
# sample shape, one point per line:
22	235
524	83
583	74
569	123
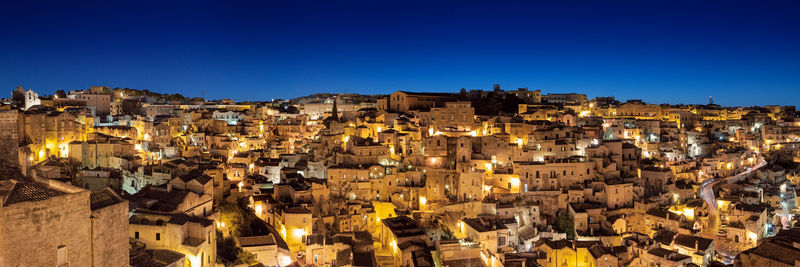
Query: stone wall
9	137
110	235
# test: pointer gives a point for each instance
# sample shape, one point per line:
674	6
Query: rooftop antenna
710	100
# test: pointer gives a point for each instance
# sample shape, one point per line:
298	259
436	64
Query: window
158	236
136	235
62	256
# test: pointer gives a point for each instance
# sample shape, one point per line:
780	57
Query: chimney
497	87
169	187
696	245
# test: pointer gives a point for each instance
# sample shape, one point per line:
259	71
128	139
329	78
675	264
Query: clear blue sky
742	53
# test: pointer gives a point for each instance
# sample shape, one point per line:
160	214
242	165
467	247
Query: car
722	233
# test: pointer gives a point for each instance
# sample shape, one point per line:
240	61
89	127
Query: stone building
402	101
24	99
9	135
781	250
50	223
96	100
191	236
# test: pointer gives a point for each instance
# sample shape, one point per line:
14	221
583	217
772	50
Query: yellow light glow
41	154
137	147
423	200
64	150
752	236
488	167
379	129
285	260
299	232
430	131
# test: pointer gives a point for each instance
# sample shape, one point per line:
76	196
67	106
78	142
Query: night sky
659	51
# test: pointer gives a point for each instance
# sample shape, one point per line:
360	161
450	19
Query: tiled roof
690	241
104	198
24	192
252	241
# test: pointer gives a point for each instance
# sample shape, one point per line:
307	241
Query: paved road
707	194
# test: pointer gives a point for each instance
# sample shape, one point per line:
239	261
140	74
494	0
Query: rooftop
403	226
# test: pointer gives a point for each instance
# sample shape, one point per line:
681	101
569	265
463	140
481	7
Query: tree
235	219
232	255
244	257
566	224
61	94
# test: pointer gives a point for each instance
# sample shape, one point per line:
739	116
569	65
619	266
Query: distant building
96	100
565	99
402	101
25	99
